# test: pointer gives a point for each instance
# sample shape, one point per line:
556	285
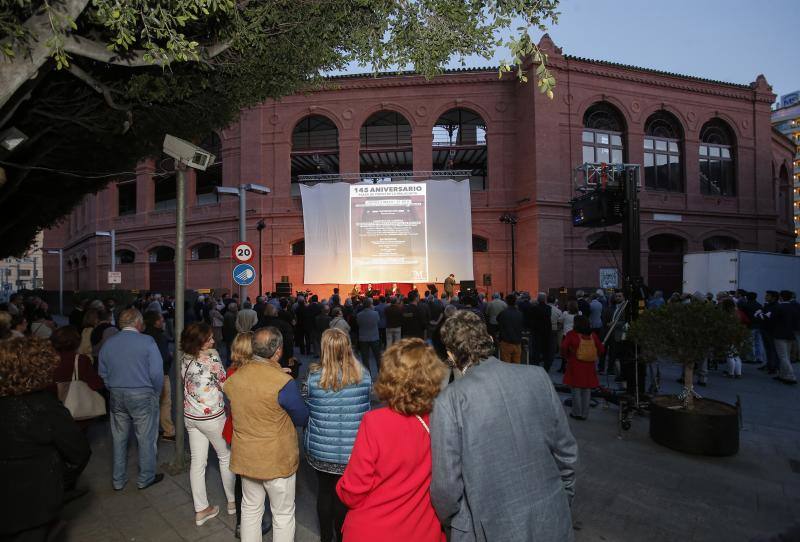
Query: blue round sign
244	274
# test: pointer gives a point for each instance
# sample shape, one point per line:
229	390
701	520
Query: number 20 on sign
243	252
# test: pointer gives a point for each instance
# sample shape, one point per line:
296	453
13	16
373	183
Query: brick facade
533	145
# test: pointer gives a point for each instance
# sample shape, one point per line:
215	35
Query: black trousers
330	510
365	348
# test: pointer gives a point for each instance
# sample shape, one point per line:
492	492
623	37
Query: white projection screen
387	232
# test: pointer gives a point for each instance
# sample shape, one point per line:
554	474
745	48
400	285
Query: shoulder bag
82	401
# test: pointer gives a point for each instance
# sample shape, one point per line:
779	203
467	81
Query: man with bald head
133	370
266	407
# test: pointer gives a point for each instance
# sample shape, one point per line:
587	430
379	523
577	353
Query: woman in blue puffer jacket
338	397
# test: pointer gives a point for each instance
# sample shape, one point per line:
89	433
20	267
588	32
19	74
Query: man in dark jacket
154	326
540	326
767	331
414	319
784	321
271	319
509	324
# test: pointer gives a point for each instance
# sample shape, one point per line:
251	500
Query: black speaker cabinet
487	279
467	285
283	288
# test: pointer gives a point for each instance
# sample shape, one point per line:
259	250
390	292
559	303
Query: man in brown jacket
266	406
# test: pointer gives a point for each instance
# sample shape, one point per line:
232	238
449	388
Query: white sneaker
201	517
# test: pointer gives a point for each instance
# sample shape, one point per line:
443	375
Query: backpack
587	350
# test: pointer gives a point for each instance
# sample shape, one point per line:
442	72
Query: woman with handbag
386	485
338	398
72	366
204	415
581	348
42	450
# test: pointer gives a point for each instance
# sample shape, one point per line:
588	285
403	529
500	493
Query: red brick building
709	181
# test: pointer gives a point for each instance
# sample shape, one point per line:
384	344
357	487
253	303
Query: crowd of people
460	377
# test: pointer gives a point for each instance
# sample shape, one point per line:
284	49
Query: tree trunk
688	384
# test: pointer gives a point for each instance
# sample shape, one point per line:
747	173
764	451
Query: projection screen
387	232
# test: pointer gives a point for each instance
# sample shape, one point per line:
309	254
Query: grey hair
267	342
367	302
450	310
130	318
542	297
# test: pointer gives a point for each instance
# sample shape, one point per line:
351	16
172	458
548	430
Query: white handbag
82	401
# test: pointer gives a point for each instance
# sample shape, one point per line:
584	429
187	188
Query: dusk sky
727	40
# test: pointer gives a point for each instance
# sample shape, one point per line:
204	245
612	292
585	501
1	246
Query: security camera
186	153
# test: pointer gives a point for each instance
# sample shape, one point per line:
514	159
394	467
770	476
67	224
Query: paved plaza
629	488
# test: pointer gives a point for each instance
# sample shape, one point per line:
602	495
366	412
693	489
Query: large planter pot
711	428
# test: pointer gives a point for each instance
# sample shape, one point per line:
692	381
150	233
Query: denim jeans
759	353
140	409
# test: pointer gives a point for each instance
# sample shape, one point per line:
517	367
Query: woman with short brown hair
204	415
41	447
386	484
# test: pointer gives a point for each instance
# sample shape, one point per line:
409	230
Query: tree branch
97	86
13	74
95	50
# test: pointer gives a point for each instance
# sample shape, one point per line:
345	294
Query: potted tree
689	334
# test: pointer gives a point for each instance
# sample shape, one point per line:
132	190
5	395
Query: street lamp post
241	192
260	227
113	235
512	220
60	252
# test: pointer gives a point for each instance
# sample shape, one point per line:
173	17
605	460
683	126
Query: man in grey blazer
503	454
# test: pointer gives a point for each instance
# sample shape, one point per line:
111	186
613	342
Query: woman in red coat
581	348
386	484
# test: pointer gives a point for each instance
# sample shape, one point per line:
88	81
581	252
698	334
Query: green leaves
688	333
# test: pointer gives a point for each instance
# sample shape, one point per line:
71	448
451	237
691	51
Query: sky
726	40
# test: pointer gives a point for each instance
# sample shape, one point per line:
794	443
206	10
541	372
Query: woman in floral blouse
204	414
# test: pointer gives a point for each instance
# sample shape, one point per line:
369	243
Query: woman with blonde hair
338	398
386	485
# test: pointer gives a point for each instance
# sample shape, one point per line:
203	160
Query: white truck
726	270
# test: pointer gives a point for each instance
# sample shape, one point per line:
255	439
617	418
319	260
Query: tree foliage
95	84
688	334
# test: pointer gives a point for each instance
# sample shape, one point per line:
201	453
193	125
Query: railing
385	176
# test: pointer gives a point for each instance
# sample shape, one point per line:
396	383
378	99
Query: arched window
459	142
315	147
603	131
162	254
717	159
206	181
605	240
720	242
84	261
386	143
205	251
662	152
299	247
125	256
480	244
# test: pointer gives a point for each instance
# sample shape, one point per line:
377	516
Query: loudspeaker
284	278
487	279
598	208
283	289
467	285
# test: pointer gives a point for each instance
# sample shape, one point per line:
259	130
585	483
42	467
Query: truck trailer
727	270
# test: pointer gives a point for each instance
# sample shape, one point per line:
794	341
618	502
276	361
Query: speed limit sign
242	252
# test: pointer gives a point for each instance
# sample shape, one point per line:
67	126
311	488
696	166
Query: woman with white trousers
204	414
